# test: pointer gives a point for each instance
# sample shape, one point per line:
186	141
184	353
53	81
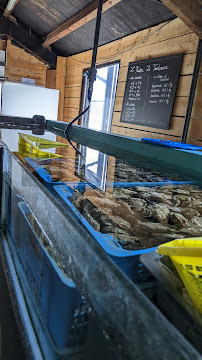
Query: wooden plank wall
173	38
60	85
51	79
3	45
21	64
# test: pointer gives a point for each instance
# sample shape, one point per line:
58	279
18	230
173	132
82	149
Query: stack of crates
127	260
51	296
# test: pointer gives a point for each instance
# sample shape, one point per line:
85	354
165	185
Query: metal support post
192	92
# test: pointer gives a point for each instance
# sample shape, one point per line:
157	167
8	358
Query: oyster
168	237
192	231
154	227
130	192
189	213
178	220
197	202
77	201
105	220
121	222
196	221
155	196
182	192
92	221
181	200
160	197
199	208
128	242
122	195
110	228
138	204
126	238
160	212
175	209
143	189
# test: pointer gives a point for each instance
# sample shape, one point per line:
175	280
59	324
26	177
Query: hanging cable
106	60
91	75
67	130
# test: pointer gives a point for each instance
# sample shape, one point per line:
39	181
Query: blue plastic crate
44	176
47	181
58	302
12	209
127	260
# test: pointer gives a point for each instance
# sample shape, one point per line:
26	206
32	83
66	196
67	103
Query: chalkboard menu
150	91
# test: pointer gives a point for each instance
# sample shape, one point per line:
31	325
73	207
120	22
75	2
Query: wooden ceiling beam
10	7
189	11
27	40
77	20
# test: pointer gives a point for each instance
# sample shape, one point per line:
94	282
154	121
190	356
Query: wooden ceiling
66	27
81	18
121	18
189	11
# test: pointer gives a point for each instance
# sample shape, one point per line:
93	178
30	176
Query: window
99	117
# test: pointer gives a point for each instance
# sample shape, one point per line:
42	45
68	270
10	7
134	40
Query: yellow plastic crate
33	146
38	143
186	255
32	152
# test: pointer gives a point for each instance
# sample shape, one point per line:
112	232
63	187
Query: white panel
27	100
2	71
2	56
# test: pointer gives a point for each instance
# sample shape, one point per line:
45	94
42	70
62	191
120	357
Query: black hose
92	71
67	130
91	75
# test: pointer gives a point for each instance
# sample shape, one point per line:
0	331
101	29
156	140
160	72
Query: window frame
84	100
100	179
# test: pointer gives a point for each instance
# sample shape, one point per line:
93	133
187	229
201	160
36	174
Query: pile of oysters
143	216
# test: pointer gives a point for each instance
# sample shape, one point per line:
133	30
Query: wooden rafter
189	11
27	40
77	20
10	7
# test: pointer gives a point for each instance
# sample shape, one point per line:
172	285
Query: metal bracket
37	124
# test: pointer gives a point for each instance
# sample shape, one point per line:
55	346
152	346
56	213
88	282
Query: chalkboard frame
165	125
